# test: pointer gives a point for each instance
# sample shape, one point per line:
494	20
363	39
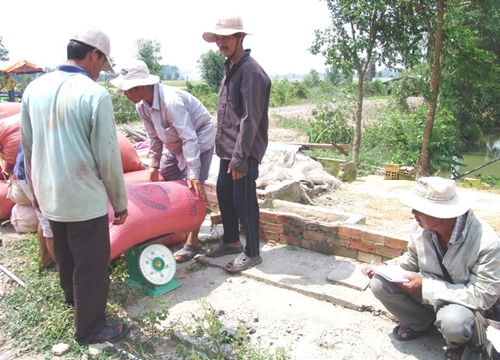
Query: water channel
488	149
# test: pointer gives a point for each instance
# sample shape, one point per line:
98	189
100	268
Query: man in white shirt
177	120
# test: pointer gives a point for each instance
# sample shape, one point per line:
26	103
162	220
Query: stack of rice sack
9	140
14	202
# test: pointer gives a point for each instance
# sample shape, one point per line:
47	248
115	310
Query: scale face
157	264
152	268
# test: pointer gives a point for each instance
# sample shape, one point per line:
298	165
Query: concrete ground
315	306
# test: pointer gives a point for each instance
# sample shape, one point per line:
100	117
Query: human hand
120	220
236	175
153	174
414	285
367	271
196	184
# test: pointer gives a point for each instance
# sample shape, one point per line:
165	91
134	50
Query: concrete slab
329	278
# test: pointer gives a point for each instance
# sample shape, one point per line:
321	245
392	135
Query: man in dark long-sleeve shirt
241	141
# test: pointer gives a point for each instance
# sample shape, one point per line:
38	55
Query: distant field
181	83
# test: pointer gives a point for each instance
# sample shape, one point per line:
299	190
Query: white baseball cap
96	38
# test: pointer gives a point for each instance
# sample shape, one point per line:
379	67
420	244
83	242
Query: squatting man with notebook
454	260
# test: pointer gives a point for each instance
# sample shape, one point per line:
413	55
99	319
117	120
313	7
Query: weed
325	344
214	340
197	266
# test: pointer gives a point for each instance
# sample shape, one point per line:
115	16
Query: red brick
345	252
305	244
296	230
349	232
362	246
274	228
216	219
283	219
314	235
387	252
290	240
341	241
373	237
396	243
268	215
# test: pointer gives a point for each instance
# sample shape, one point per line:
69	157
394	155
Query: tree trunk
425	168
359	113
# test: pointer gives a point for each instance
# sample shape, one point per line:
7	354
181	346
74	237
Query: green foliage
123	108
281	92
211	65
413	82
492	181
208	97
170	72
374	88
397	138
335	76
4	53
149	51
333	122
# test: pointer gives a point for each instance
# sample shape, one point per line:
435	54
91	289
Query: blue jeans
12	95
238	200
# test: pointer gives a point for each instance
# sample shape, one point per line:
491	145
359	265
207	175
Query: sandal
455	353
223	249
410	333
186	253
242	262
111	333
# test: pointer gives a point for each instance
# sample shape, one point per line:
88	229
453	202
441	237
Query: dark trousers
12	96
238	200
82	255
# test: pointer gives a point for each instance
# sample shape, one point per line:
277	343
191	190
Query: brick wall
353	241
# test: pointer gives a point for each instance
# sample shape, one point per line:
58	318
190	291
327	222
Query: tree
211	65
444	42
4	53
366	30
149	52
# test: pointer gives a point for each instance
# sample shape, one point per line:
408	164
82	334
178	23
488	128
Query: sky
283	30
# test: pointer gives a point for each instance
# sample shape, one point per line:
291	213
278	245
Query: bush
332	122
207	95
124	109
397	138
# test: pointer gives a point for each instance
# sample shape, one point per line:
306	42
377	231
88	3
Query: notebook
393	273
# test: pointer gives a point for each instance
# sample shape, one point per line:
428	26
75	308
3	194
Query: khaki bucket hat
224	27
436	197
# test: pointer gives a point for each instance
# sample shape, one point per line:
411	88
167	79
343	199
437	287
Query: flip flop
110	333
242	262
223	249
410	333
187	252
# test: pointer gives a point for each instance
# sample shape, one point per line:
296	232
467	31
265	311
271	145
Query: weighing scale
152	267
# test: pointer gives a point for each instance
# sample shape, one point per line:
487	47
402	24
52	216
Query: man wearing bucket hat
454	262
240	143
176	119
73	167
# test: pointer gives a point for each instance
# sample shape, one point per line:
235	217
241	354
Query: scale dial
157	264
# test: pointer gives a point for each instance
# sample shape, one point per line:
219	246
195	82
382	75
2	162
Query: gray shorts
170	171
